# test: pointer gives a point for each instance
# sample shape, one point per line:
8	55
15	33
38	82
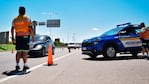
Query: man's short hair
21	10
142	24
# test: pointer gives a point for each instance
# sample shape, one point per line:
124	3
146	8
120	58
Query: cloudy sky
80	19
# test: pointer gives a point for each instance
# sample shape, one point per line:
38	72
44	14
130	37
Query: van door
129	37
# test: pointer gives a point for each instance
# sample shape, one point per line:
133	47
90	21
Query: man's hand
14	41
33	39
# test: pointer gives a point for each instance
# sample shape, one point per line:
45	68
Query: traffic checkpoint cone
50	59
12	50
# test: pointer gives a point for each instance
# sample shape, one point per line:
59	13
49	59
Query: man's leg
147	52
18	56
147	49
143	51
25	60
143	47
25	51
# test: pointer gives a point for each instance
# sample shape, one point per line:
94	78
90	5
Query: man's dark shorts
145	43
22	43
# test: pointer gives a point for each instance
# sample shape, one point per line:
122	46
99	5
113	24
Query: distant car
40	46
124	38
73	45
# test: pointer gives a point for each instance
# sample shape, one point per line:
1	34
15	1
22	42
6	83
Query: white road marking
35	67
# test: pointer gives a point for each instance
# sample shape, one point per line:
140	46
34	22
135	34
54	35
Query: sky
79	19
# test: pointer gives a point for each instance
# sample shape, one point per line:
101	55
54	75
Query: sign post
50	24
34	26
53	23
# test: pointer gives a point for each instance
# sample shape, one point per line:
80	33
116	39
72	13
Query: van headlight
97	40
95	43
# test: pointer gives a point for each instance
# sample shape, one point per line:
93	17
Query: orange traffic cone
12	50
50	59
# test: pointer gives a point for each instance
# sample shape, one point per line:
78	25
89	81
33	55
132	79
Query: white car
73	45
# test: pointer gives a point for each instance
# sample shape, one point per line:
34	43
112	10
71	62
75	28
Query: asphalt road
75	68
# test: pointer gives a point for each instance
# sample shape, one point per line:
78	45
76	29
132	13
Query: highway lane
7	60
75	68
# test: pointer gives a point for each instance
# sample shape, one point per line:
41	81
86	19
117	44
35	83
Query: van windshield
112	31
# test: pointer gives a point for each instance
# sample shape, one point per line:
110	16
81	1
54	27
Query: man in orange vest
22	27
144	36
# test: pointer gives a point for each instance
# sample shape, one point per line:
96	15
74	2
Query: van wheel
134	54
93	56
110	52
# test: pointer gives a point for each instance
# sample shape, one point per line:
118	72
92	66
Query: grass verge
6	47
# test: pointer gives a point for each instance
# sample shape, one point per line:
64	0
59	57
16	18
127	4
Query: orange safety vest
21	24
144	34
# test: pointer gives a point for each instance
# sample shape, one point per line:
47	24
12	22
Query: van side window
128	31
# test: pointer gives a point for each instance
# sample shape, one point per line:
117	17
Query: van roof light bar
125	24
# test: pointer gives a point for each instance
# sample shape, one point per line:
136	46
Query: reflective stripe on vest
22	33
145	34
21	26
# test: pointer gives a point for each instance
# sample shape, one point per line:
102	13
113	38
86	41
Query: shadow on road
14	72
114	59
50	64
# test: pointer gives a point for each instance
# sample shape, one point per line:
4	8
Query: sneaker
25	68
17	68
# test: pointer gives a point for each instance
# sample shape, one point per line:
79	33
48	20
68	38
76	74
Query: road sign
41	23
53	23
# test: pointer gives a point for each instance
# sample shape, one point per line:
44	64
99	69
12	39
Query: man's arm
12	34
32	33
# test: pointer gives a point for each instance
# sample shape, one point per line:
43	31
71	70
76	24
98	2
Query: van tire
93	56
134	54
109	52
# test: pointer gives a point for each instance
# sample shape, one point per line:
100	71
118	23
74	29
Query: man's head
21	10
142	24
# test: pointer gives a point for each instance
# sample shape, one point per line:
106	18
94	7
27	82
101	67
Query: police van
124	38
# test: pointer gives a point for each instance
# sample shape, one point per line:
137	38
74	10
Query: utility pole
73	37
68	37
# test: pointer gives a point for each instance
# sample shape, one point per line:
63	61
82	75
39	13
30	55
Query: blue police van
122	39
